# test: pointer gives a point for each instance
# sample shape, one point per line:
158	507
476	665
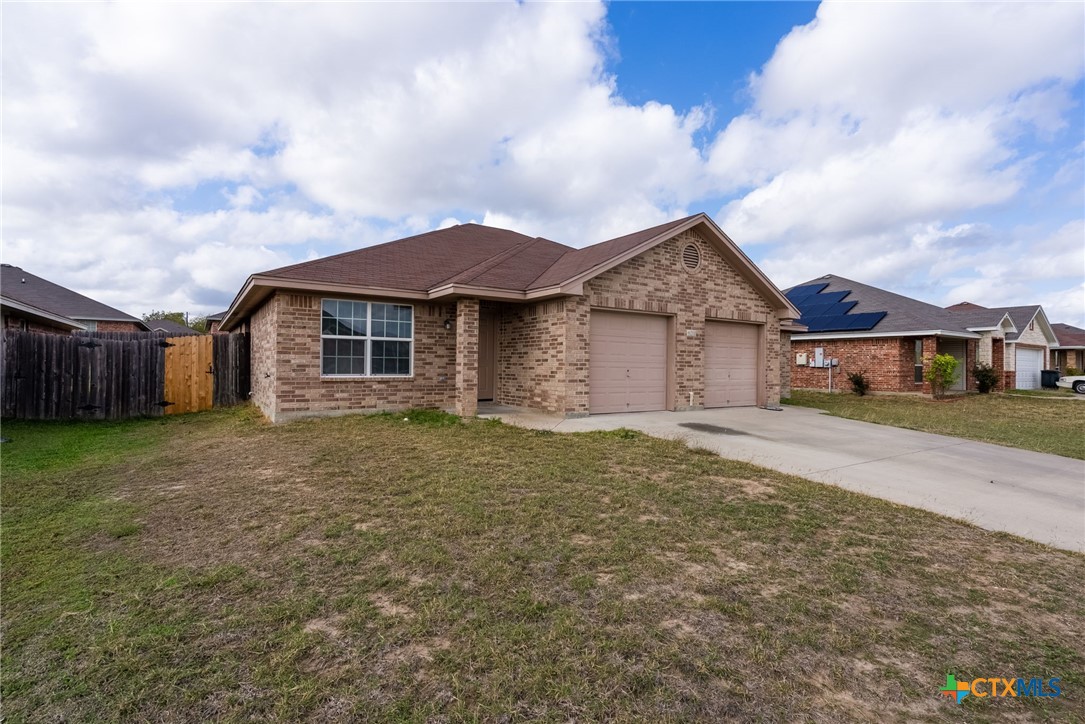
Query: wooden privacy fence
113	375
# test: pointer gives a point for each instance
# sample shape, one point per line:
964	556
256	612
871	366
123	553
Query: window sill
366	377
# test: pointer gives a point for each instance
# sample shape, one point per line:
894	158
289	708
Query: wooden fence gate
190	375
113	375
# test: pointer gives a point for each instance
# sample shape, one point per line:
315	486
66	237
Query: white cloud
317	127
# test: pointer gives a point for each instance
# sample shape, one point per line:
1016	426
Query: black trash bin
1048	378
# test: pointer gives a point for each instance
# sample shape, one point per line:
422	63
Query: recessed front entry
487	354
628	369
959	350
730	364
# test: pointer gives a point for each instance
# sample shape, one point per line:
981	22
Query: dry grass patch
365	568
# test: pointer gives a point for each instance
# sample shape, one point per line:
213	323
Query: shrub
1072	372
942	373
859	383
986	377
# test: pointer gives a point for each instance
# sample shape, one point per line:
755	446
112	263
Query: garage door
1029	364
628	370
730	364
959	350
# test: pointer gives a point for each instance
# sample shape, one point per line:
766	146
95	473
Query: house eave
38	313
883	335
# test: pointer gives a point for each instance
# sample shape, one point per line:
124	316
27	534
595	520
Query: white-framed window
366	339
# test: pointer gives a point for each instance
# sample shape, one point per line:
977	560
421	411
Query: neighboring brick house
1027	345
19	287
669	318
170	327
1070	350
889	338
19	315
214	322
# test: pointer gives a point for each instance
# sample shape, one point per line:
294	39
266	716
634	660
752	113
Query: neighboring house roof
169	327
900	315
39	315
1069	337
476	260
1021	317
22	286
217	317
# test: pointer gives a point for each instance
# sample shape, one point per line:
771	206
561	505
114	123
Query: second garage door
1029	364
730	364
628	368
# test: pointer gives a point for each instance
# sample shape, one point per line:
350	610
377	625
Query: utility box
819	357
802	359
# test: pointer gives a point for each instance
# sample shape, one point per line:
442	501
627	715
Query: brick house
888	337
1070	351
1028	345
669	318
20	315
28	297
214	322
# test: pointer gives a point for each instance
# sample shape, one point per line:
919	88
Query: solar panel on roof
805	291
870	319
833	296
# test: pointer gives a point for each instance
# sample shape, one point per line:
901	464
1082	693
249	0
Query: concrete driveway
1029	494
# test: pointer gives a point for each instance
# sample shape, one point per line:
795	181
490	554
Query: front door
487	354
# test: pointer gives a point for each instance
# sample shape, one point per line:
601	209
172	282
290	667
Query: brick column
466	357
576	352
930	349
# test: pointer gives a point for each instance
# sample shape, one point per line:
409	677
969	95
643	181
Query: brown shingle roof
417	263
475	259
576	262
29	289
1069	336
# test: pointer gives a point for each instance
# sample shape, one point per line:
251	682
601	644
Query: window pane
328	347
328	366
391	358
378	328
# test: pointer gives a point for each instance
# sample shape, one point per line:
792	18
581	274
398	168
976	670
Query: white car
1077	384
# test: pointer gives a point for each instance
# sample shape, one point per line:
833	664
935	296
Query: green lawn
380	568
1034	422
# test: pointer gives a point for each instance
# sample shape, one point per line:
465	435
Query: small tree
859	383
178	317
986	377
942	373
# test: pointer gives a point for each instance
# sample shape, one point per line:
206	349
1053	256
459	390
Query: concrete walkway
1033	495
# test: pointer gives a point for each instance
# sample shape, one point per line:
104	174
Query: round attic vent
691	257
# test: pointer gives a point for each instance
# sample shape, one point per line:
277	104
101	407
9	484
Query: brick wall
13	322
107	326
531	359
263	356
286	343
656	281
785	365
466	342
888	363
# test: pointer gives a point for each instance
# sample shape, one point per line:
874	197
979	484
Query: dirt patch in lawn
371	568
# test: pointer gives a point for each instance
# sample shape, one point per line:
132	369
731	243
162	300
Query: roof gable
29	289
471	259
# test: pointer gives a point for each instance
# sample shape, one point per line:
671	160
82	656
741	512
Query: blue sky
155	156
